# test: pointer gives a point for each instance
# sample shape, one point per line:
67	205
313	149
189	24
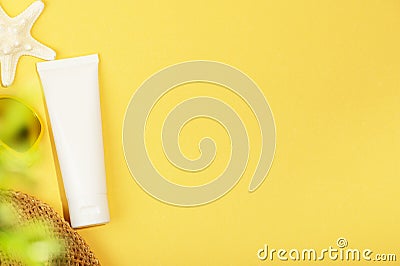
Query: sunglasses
20	126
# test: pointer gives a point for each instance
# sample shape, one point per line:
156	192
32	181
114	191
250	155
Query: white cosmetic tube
71	90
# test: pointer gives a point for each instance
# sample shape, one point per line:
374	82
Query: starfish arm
16	41
31	13
3	13
41	51
8	68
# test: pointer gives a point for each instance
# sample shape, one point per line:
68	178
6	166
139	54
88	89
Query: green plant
31	243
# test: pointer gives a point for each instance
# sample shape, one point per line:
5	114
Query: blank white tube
71	90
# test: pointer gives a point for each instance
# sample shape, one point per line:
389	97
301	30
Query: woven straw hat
30	208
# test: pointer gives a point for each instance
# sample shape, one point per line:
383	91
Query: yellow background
331	73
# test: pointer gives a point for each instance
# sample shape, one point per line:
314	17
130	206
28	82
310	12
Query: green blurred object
20	132
29	242
20	127
41	235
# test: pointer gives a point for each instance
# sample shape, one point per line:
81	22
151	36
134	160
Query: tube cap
88	210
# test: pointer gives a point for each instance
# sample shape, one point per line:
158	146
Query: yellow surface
331	73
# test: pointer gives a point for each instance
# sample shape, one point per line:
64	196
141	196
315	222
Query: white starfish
16	40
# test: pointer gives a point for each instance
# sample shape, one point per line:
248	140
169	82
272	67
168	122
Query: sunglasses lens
19	126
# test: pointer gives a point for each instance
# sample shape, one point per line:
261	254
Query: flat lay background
330	71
